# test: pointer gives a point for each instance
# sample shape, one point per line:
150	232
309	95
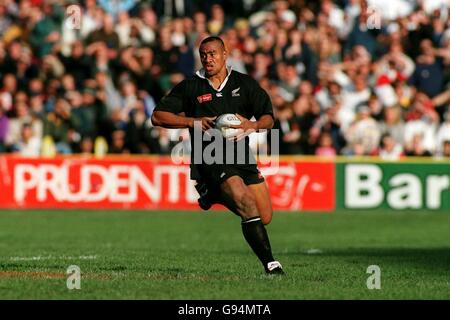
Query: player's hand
246	126
207	122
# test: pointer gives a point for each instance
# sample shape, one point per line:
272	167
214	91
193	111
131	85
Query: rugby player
214	90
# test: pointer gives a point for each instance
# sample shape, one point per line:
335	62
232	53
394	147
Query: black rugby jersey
196	97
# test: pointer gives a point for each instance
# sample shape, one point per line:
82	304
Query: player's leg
210	196
239	198
242	200
263	202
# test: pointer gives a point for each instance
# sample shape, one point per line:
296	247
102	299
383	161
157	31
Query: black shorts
210	177
213	175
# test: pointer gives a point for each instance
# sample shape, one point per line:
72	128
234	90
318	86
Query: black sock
256	235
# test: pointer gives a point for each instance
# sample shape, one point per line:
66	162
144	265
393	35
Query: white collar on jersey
201	74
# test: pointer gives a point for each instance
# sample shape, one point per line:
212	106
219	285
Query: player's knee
265	213
266	218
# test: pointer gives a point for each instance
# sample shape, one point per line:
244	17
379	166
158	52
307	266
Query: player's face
213	57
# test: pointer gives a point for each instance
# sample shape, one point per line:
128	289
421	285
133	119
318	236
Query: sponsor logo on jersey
204	98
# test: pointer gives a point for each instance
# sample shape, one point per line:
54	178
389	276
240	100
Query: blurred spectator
443	134
165	55
118	142
59	125
46	32
389	148
146	23
86	146
362	35
363	135
353	95
217	22
325	147
162	143
7	91
446	149
428	76
421	125
173	8
393	124
4	127
21	117
106	91
106	35
289	131
138	129
29	144
416	147
90	114
78	64
330	122
289	81
5	20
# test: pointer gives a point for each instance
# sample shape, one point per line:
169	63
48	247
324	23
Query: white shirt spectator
15	127
30	148
89	23
393	154
323	98
392	9
351	99
420	127
443	134
123	32
431	5
345	117
336	18
364	132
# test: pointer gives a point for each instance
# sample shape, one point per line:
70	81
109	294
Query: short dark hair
213	38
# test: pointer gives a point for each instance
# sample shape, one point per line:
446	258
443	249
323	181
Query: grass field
180	255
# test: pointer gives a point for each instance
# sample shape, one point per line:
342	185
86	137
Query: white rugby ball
223	121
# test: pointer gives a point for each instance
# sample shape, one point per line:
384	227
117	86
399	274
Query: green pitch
180	255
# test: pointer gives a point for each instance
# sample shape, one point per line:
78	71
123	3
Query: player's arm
170	111
171	120
264	122
247	126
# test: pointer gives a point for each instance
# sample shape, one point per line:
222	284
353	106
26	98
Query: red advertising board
301	185
147	183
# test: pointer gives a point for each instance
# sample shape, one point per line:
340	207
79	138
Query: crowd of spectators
346	77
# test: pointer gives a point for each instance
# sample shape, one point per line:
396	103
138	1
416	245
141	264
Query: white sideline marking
37	258
314	251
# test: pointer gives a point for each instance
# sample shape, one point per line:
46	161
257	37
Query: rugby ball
223	122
